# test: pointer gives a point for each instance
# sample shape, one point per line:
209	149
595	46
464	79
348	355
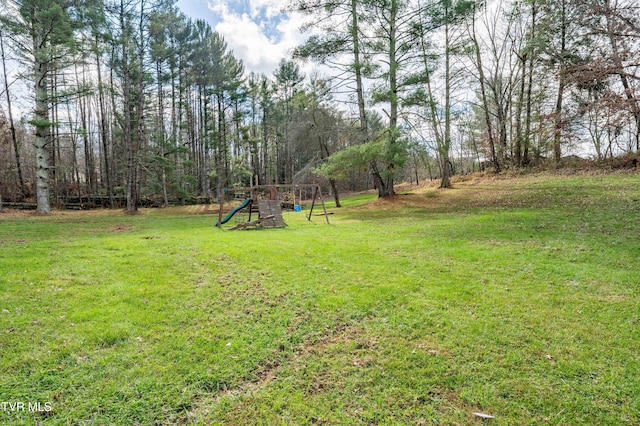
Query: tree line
133	102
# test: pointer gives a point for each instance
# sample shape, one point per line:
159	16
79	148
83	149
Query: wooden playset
268	202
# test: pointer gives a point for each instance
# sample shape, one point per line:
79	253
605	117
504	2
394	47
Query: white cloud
219	7
258	43
272	8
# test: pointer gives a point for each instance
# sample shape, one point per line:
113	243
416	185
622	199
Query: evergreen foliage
135	103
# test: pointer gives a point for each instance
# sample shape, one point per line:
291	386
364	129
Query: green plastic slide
226	219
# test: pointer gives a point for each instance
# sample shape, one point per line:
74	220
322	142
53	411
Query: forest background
134	103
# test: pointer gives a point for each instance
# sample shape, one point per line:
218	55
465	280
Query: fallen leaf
484	416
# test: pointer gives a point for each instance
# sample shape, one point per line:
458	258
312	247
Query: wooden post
220	211
313	202
326	216
317	191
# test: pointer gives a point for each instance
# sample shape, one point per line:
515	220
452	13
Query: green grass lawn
517	298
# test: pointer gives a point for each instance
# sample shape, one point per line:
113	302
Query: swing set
268	201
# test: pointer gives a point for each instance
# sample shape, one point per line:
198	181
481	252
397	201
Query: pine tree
44	31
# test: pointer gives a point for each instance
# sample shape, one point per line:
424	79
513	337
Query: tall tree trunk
12	127
502	110
432	109
161	129
393	96
265	132
220	148
104	134
527	124
176	119
58	175
128	114
140	130
362	113
253	136
89	168
519	106
73	136
558	122
443	149
42	134
199	126
628	90
485	103
118	147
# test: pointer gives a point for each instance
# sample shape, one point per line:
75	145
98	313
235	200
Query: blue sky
255	30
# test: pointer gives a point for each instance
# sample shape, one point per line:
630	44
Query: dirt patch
467	192
343	333
16	242
267	372
120	228
178	210
190	209
12	213
400	201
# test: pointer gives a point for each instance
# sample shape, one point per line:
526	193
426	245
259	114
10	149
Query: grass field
517	298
